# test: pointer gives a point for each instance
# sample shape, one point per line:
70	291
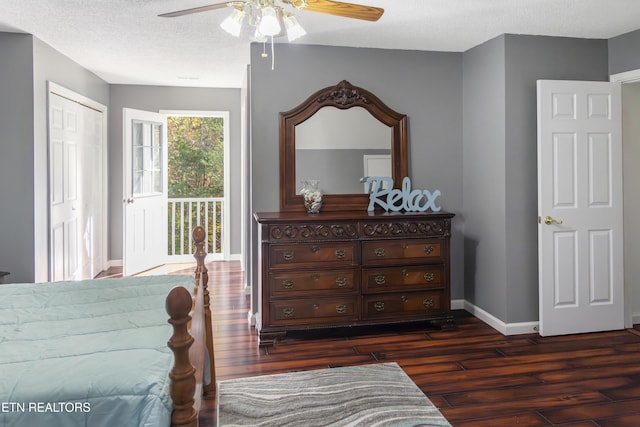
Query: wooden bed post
202	278
183	374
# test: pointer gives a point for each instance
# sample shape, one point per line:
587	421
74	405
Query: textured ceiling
124	41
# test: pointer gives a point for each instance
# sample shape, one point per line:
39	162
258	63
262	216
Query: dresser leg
445	324
269	338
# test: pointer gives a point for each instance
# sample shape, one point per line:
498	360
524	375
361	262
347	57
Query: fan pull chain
265	55
273	56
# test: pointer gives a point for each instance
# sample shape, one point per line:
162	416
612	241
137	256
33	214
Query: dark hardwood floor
475	375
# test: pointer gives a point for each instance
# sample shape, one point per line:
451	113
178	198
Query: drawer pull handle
379	306
428	303
379	251
429	277
340	254
380	279
288	255
341	309
315	277
403	298
428	249
341	282
314	249
316	306
287	312
287	284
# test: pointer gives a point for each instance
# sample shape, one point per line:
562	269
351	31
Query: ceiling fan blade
348	10
194	10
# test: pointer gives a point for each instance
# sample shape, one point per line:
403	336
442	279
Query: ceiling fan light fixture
269	25
293	27
233	23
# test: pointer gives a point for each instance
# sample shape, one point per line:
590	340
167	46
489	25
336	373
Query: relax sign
399	199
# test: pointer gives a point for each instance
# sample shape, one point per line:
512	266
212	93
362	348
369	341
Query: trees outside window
196	170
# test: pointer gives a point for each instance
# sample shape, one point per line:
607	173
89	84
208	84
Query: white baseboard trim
114	263
635	318
499	325
251	318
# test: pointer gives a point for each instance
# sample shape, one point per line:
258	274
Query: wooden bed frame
191	342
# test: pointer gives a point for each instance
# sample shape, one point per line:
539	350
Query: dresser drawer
318	255
317	310
292	283
409	278
403	304
381	252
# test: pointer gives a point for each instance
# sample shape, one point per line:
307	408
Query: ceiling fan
269	18
347	10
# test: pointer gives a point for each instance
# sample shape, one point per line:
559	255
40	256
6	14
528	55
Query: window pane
137	134
147	158
157	185
137	183
138	164
156	135
156	158
148	181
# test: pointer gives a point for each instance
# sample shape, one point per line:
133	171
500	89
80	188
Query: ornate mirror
338	135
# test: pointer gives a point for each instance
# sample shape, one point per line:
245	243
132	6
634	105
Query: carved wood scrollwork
344	94
426	228
313	232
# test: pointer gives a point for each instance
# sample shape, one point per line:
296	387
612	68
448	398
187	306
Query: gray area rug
368	395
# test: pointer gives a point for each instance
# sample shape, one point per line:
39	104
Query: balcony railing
184	214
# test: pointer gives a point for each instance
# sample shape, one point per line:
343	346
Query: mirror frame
342	96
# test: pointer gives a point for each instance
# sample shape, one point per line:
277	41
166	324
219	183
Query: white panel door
92	197
581	285
77	196
145	191
65	136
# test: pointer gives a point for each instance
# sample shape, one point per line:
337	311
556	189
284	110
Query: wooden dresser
337	269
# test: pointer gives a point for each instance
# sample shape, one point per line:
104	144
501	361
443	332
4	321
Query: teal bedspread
90	353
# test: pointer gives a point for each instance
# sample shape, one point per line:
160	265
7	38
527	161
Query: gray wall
624	52
427	86
26	67
500	174
16	157
484	191
155	98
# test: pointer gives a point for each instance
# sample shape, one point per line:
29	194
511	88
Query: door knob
549	220
129	200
